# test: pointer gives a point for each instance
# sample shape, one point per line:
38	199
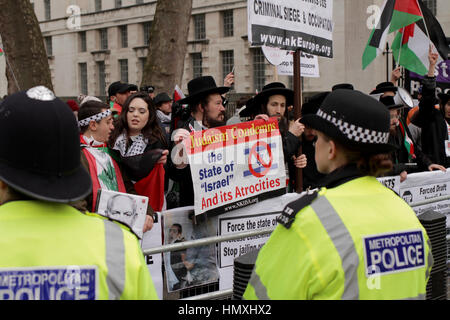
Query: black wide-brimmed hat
254	105
354	119
389	102
348	86
201	87
384	87
40	147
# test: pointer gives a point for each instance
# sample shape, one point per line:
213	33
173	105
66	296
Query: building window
49	46
124	36
98	5
431	4
47	9
197	70
123	65
83	78
101	78
83	43
103	39
118	3
199	27
147	26
227	17
259	69
227	62
139	1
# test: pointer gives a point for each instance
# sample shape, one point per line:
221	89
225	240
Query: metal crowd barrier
235	236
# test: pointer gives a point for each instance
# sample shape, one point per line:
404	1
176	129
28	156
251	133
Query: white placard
152	239
309	65
292	25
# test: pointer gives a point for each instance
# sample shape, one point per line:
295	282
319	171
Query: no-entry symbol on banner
259	148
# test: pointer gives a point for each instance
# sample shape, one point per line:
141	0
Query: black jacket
400	157
433	124
311	177
182	176
291	144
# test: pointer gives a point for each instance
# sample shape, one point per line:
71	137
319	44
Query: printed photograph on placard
126	208
189	267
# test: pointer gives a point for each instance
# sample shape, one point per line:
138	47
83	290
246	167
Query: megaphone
403	97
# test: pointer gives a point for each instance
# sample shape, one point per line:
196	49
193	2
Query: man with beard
273	101
207	111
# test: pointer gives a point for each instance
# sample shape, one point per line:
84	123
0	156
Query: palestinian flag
407	142
1	52
414	43
395	14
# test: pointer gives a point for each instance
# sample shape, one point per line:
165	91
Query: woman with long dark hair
139	144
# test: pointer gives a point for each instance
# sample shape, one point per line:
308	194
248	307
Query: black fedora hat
201	87
354	119
40	147
268	90
384	87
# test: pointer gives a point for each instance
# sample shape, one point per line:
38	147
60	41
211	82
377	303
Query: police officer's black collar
341	175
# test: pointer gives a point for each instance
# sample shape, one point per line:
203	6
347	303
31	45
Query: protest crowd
59	159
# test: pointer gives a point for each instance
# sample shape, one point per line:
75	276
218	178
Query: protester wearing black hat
41	236
118	92
323	247
207	111
408	156
273	101
433	122
163	105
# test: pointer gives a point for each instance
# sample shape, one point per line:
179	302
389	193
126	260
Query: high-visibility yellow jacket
355	241
53	251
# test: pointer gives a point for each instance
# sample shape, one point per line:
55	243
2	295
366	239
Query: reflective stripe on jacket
39	238
325	254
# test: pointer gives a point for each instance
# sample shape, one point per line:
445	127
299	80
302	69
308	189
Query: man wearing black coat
434	123
267	104
206	111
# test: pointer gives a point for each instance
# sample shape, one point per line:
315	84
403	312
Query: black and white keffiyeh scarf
137	147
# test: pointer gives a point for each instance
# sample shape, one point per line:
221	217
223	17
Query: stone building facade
92	43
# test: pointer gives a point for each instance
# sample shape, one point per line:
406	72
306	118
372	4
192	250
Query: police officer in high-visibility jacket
50	250
353	238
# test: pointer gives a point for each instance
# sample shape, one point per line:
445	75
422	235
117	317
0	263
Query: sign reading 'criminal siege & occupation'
306	25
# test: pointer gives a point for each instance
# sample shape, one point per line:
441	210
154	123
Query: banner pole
298	113
400	50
